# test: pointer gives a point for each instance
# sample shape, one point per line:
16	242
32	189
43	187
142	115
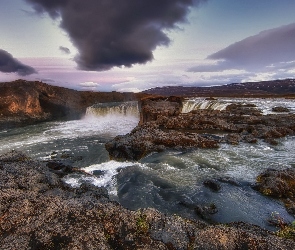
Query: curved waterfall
114	108
194	104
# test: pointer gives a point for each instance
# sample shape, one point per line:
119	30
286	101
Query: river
168	180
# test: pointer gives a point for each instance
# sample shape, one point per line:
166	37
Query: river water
168	180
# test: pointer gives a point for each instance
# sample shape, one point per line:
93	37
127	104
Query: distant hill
260	89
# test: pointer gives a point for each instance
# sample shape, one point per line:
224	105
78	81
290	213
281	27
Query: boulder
279	184
280	109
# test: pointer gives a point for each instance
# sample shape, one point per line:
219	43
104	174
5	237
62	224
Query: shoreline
39	211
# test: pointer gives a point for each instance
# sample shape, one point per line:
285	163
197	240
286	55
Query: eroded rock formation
23	102
162	125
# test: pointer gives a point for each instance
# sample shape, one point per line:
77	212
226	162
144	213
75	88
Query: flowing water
170	181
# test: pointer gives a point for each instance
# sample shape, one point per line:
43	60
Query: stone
212	184
280	109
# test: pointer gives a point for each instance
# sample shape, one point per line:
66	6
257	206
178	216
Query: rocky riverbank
163	126
39	211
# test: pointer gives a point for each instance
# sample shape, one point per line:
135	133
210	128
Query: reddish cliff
23	102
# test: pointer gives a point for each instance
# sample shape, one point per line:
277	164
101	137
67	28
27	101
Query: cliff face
23	102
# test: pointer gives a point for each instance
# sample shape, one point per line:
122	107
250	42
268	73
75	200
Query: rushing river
167	180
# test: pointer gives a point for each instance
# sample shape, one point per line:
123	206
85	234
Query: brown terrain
163	126
282	88
23	102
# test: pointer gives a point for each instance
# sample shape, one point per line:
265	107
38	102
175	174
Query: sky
133	45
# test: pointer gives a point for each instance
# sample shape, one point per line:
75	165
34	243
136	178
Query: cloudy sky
132	45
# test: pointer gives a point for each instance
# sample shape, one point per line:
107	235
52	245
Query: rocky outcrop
149	138
23	102
279	184
153	107
280	109
39	211
162	125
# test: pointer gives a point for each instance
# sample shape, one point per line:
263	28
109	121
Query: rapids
170	181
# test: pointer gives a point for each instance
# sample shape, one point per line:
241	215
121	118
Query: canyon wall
23	102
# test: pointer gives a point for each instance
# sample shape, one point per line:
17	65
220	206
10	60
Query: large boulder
279	184
148	138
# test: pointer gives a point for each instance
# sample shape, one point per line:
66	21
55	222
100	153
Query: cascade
194	104
114	108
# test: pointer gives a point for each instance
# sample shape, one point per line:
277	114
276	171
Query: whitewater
168	179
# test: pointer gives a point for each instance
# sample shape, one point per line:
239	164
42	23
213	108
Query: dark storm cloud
109	33
8	64
64	50
52	7
270	47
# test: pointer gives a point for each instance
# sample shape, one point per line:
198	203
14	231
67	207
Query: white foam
265	105
106	179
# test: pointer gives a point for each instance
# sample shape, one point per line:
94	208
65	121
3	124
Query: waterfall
114	108
194	104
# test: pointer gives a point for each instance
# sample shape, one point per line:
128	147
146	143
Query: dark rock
212	184
278	184
271	141
98	172
59	168
280	109
90	189
233	138
205	212
148	138
210	98
229	180
250	139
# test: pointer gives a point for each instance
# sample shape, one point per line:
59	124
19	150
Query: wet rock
149	138
59	168
90	189
212	184
205	212
229	180
153	107
250	139
278	184
280	109
233	139
271	141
